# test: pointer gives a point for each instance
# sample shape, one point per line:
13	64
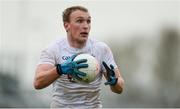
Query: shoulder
54	47
99	44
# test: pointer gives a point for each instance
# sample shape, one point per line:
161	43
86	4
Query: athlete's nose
86	25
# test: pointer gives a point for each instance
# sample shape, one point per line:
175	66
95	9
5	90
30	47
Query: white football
91	71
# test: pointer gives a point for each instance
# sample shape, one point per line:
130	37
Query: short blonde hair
67	12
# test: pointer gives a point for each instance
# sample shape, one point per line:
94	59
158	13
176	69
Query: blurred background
143	35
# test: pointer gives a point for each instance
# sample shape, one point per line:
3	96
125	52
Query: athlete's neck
75	43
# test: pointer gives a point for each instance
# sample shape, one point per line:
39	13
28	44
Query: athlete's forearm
118	88
45	78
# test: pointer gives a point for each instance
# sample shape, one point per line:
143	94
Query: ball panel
91	71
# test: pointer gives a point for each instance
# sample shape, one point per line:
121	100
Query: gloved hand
111	77
70	67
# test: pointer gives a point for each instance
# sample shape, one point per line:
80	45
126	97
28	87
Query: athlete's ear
66	26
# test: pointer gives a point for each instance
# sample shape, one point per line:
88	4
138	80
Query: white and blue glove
111	77
70	67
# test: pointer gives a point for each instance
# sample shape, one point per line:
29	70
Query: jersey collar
76	50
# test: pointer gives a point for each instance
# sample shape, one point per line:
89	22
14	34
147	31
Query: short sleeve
107	57
47	56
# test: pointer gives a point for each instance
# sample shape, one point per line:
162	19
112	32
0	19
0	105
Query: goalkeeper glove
111	77
70	67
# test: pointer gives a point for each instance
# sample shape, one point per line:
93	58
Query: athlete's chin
84	37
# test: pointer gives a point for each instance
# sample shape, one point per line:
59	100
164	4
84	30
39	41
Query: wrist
58	69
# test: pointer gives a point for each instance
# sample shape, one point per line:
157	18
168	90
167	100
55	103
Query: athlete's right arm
45	75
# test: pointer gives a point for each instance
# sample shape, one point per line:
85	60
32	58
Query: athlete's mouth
84	34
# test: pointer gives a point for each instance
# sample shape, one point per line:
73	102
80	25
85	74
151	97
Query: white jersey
68	94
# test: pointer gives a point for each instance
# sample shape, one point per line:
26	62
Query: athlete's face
78	26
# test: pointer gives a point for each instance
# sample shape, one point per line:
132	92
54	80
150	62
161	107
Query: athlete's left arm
114	78
118	87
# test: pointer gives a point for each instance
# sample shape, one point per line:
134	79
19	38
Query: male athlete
56	65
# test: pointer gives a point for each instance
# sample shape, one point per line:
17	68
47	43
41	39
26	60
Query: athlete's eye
89	21
80	21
